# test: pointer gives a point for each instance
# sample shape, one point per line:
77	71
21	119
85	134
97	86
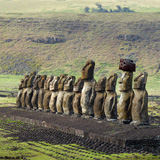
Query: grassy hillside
105	38
52	6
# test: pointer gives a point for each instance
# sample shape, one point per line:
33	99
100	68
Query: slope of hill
61	43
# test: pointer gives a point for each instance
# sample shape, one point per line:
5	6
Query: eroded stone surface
77	98
41	91
126	96
34	100
54	90
24	91
110	107
47	93
68	95
99	98
140	100
88	70
59	103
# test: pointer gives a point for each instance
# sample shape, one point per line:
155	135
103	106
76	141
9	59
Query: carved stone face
140	81
88	70
26	78
61	81
111	82
69	82
21	84
47	82
36	78
100	85
54	84
78	85
125	83
41	82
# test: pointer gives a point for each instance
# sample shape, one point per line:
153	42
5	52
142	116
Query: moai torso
30	90
77	98
34	100
47	93
126	95
24	91
110	107
41	92
68	95
140	100
54	89
59	103
19	95
99	99
88	91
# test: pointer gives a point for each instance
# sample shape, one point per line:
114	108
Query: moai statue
110	106
59	103
88	91
34	100
24	91
125	87
68	95
140	100
77	98
54	89
30	90
47	93
19	95
41	92
99	99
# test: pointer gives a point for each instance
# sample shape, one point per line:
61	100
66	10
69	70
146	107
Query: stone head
26	78
54	84
78	85
36	78
88	70
33	73
125	83
47	82
111	82
69	82
100	85
140	81
61	81
21	84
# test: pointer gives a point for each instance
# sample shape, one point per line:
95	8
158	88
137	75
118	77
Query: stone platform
125	135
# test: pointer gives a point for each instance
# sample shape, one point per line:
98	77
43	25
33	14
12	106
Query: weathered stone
54	90
88	70
19	95
30	90
77	98
127	65
59	103
125	102
47	93
41	92
110	107
99	98
87	97
24	91
140	100
68	95
34	100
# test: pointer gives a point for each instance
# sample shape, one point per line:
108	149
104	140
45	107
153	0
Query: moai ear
145	77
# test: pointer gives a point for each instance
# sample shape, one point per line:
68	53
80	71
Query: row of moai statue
86	97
